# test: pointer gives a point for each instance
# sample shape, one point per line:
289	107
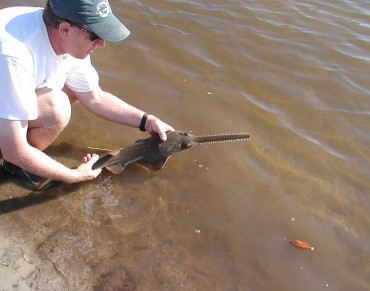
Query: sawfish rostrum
153	153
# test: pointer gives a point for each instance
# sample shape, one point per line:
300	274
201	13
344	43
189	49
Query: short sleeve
18	100
83	78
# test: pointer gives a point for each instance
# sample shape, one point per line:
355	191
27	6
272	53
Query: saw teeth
233	137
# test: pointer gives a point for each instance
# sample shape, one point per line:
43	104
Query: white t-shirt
28	62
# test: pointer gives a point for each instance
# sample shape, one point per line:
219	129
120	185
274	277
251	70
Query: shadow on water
64	151
23	195
32	198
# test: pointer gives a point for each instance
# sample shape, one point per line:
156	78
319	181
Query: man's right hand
86	173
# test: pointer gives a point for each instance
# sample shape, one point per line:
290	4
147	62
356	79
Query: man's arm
16	149
114	109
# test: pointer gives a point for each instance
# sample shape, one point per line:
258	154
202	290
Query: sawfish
153	153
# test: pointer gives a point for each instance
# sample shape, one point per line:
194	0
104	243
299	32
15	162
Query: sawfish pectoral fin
153	163
116	169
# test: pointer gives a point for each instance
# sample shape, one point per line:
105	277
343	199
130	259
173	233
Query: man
44	65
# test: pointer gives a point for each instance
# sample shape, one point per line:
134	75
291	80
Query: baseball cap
97	14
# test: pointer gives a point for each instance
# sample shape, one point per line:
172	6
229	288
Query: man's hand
155	125
86	173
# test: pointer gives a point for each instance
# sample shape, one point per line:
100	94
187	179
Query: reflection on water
217	217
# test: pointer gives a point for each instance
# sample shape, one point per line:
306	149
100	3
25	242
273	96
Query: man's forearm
37	162
114	109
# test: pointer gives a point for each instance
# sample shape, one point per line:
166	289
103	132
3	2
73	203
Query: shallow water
217	217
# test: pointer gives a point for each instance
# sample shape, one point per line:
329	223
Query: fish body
301	244
153	153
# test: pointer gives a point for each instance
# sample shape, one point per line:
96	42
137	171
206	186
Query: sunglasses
92	35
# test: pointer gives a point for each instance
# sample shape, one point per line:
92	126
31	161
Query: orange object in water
301	244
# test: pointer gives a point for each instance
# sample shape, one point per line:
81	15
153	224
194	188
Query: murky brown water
219	217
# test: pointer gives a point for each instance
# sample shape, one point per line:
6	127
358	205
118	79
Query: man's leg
54	112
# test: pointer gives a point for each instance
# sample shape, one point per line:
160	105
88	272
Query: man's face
78	42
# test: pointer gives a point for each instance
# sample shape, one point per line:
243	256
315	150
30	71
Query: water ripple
316	141
102	193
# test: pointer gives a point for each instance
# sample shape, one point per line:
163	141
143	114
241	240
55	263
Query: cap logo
103	9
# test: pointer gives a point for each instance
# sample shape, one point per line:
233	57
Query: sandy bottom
94	236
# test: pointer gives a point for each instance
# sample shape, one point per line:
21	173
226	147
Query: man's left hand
155	125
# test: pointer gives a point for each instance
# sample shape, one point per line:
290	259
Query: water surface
293	74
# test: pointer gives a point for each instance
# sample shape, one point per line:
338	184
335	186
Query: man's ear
64	28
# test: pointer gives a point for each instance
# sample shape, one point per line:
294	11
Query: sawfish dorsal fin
112	162
100	163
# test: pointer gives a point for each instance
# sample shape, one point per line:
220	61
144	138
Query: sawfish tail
221	138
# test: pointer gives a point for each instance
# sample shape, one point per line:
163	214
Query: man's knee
60	108
54	109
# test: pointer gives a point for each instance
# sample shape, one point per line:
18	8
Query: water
293	74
